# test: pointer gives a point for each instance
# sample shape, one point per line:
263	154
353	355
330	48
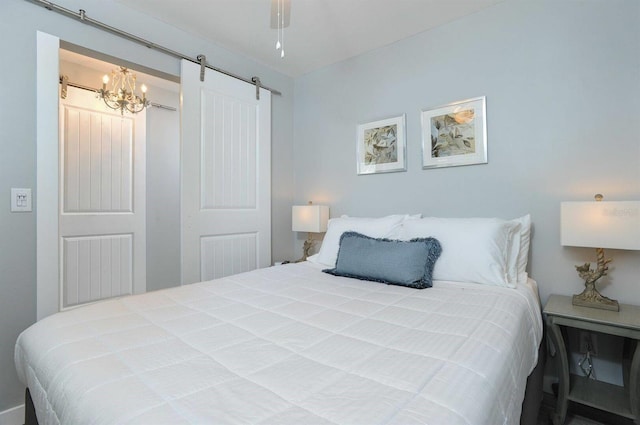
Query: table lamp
311	219
599	225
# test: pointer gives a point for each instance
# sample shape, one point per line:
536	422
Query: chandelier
122	96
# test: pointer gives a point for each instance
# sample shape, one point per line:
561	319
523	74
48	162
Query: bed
290	345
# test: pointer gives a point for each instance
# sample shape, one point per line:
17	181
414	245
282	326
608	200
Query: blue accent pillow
404	263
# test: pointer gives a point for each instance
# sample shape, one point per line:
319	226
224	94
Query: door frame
47	172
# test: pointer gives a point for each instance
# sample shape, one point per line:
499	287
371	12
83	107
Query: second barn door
226	175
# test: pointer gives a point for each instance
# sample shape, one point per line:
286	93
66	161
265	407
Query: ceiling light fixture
122	95
280	13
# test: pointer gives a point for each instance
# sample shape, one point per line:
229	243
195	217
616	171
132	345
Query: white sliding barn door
226	175
102	201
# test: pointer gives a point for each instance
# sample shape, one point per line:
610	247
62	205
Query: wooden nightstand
624	401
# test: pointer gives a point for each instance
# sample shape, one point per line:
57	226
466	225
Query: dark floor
579	415
545	414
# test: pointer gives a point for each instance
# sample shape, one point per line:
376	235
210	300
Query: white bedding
287	345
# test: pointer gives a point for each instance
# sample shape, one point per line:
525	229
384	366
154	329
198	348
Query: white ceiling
322	32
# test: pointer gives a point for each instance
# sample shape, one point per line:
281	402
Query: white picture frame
455	134
381	146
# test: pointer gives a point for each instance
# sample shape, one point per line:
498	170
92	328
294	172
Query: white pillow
473	249
523	252
384	227
513	252
313	259
395	232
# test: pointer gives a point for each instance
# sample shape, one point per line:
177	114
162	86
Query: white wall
563	100
19	21
163	191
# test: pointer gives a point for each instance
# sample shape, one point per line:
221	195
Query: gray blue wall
19	21
562	83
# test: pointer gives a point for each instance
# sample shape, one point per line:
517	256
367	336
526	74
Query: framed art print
455	134
382	146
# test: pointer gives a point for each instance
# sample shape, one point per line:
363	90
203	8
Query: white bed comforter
287	345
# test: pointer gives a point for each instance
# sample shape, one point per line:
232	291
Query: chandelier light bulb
278	45
282	53
143	88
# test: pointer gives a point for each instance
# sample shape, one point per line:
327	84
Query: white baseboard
13	416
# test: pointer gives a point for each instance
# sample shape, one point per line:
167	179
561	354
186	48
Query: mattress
288	345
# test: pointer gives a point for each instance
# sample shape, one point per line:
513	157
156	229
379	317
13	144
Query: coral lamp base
592	298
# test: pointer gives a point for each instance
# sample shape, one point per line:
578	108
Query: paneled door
226	175
102	200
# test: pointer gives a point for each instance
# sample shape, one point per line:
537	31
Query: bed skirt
533	392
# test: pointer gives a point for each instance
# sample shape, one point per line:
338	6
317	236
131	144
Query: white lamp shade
310	218
613	225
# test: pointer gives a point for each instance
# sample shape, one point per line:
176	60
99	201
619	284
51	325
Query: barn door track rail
201	60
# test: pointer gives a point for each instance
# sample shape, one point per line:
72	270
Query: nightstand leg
633	383
563	385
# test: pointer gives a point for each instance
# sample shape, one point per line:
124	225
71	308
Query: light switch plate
20	200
